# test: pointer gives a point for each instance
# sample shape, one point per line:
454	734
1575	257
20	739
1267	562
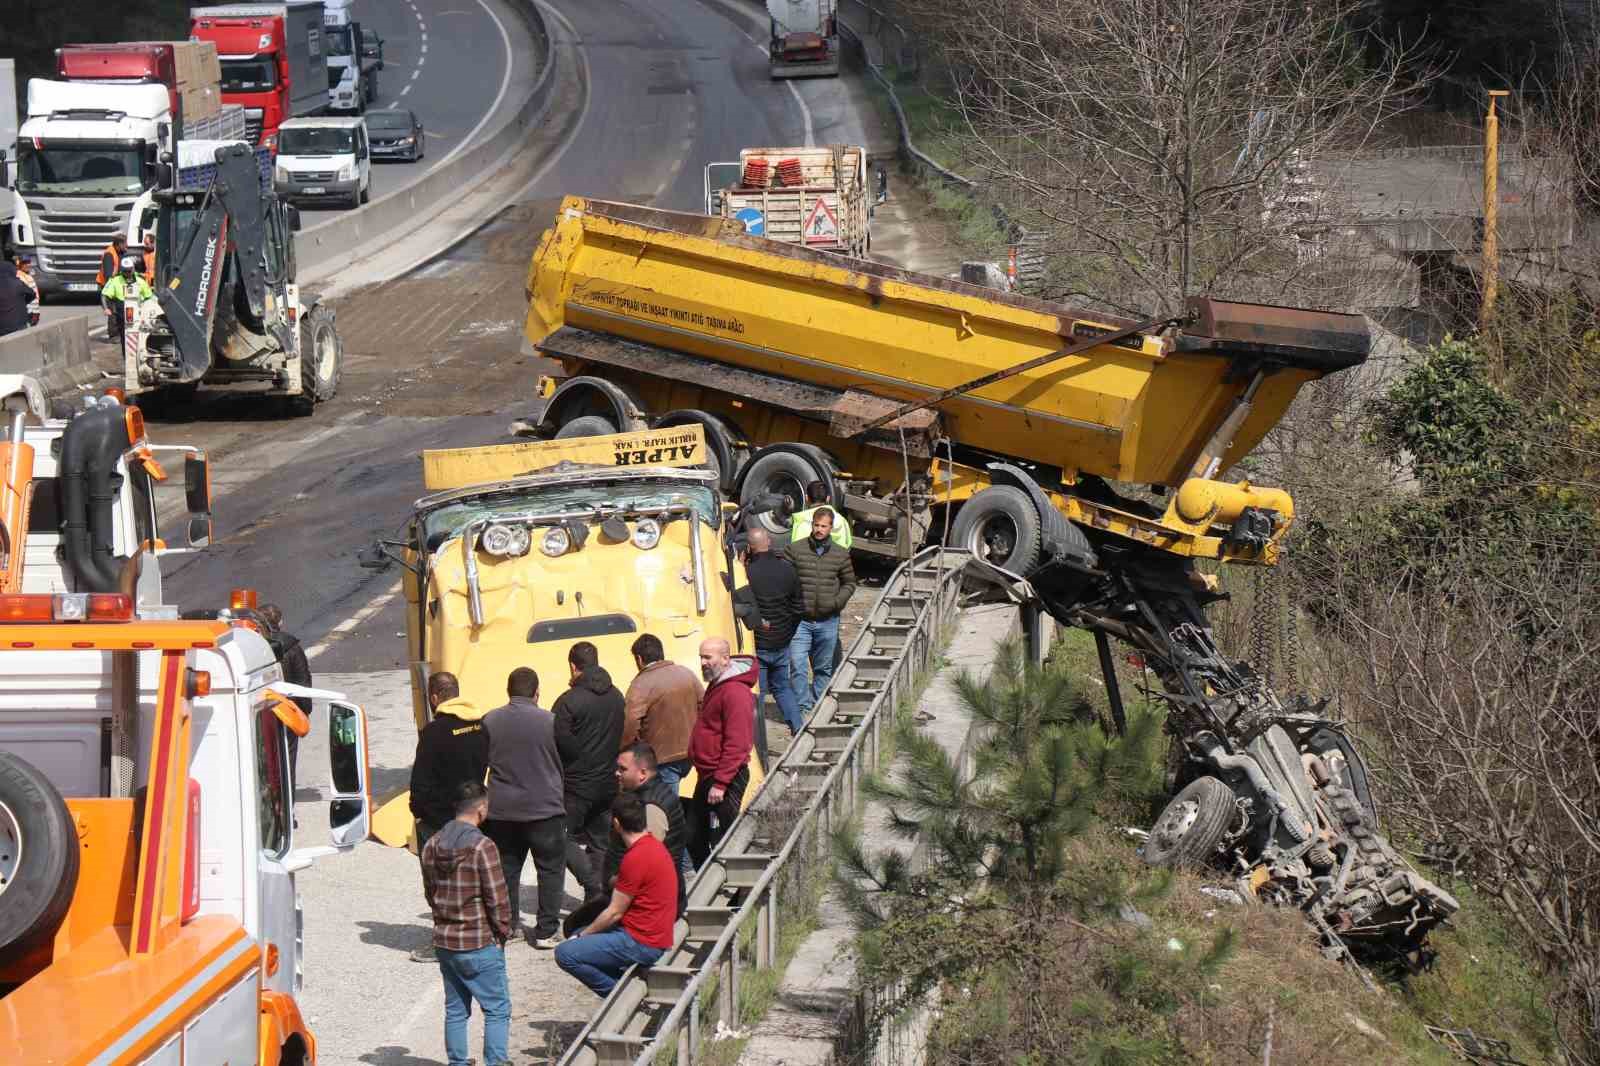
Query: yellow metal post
1491	209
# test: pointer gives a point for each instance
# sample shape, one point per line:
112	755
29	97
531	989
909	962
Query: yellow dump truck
1032	435
521	550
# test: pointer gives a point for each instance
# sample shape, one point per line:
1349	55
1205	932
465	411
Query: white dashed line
414	74
424	49
805	112
423	26
350	623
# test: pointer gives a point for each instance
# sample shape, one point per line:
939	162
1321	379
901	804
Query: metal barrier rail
650	1010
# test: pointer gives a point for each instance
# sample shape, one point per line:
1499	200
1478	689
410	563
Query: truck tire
725	452
321	361
784	472
38	854
1000	526
372	88
586	426
366	193
1192	825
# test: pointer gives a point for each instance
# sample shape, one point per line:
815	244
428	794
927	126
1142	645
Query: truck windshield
607	496
337	39
254	75
79	168
316	141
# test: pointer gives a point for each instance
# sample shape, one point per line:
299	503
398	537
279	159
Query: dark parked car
395	134
372	46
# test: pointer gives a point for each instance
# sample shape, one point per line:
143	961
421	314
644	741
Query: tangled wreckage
928	408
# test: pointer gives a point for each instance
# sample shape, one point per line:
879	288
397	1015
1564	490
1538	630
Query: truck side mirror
197	484
373	557
350	810
199	531
163	176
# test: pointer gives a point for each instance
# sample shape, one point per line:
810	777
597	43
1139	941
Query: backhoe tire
999	525
38	855
321	361
586	426
1192	825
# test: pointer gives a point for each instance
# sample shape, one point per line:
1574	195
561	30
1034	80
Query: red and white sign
822	226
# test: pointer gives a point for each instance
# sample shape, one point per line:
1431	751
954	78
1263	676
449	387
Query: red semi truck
273	61
187	68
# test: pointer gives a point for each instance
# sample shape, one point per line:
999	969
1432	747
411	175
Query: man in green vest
817	496
124	285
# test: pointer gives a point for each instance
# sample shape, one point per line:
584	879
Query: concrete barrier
57	354
325	249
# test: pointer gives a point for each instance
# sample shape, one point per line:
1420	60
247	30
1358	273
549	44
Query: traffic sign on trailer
822	227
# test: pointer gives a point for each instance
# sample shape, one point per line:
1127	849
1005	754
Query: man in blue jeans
771	605
827	581
635	929
466	891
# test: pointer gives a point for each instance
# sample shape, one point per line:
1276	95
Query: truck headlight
347	172
557	541
280	174
504	540
646	533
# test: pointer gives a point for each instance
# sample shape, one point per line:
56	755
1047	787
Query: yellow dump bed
679	294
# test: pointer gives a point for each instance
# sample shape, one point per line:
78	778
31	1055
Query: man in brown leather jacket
660	708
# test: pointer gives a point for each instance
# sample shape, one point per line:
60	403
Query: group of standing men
590	786
792	604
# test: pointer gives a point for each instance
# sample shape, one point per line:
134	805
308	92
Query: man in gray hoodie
525	807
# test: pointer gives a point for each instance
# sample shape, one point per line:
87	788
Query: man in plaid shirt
471	920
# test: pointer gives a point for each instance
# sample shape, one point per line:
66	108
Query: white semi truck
8	149
84	169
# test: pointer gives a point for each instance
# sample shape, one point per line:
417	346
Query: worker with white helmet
127	284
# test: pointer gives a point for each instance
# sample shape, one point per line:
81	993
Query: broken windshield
599	497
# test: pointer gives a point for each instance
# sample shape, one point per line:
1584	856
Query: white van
323	159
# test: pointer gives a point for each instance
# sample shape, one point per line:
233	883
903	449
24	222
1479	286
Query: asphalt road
457	63
432	360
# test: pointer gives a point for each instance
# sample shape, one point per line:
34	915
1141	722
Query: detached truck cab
522	550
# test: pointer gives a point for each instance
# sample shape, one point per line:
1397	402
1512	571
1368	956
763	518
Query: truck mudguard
90	447
585	395
1059	539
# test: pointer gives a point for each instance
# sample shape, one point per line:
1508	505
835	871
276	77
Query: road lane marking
505	84
337	632
805	112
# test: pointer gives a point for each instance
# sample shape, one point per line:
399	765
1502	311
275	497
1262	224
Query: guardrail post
728	995
764	952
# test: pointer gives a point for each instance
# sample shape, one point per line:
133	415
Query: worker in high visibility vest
124	286
817	496
150	257
110	259
25	275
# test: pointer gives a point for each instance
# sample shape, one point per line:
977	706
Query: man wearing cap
124	286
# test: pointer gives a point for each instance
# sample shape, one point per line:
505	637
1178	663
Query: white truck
352	75
804	39
8	149
85	167
816	197
148	906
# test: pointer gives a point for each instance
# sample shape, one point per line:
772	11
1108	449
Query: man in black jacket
451	749
296	670
771	605
588	726
525	801
663	812
14	299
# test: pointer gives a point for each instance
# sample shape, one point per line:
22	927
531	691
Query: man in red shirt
636	928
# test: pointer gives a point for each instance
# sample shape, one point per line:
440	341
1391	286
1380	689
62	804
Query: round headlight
646	533
521	540
496	540
557	541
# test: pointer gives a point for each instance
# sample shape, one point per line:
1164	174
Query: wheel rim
788	486
327	354
994	537
1175	824
10	848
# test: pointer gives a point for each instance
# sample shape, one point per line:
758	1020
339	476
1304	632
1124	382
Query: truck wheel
366	193
1000	526
586	426
786	473
38	854
321	361
1192	825
372	88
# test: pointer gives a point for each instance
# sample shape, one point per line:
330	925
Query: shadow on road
390	1055
397	937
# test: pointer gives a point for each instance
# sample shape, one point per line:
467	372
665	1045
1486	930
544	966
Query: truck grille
252	128
313	177
69	243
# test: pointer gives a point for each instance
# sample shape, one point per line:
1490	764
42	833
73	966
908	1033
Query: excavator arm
205	238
